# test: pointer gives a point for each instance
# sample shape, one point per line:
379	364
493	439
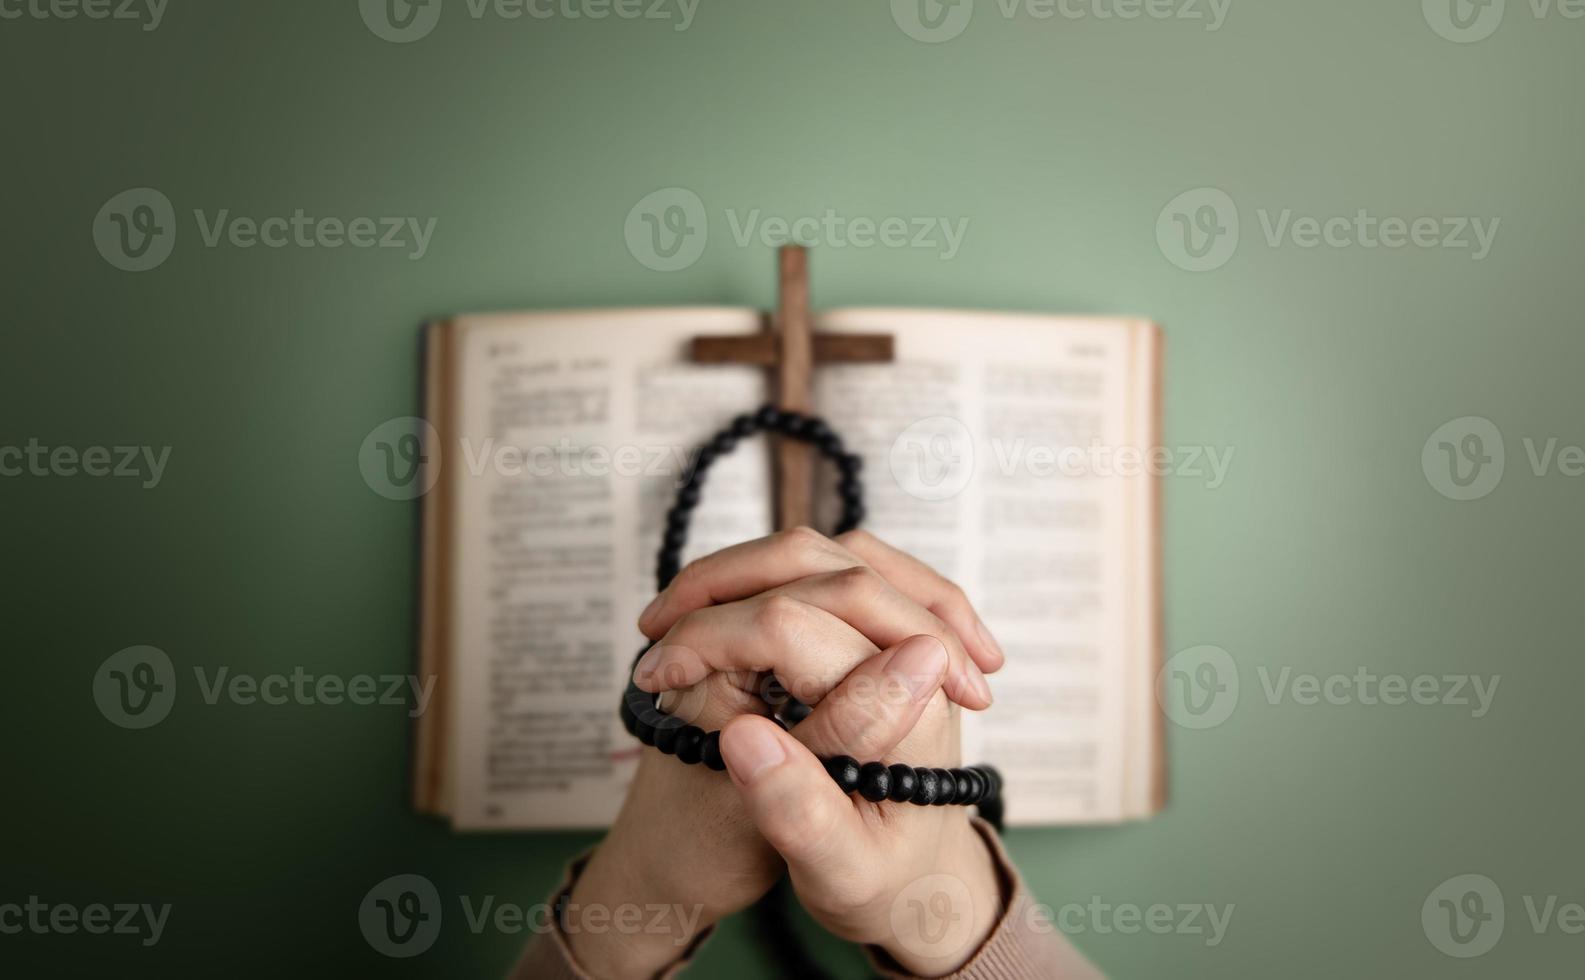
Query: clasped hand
887	652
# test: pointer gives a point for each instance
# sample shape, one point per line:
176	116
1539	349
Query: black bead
645	729
852	513
710	753
688	498
629	720
666	734
903	783
946	787
851	492
875	781
772	692
928	785
830	445
674	539
702	460
723	443
690	742
993	780
851	464
792	424
768	417
677	518
795	711
976	784
844	770
964	792
744	425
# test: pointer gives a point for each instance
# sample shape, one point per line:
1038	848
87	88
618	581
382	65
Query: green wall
1327	549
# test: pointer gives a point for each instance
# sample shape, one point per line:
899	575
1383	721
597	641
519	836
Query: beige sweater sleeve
1024	945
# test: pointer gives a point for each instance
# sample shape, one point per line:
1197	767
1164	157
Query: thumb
790	797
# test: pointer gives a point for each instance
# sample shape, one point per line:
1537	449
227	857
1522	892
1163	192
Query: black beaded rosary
875	781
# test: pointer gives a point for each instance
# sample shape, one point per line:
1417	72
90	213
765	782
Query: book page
991	452
573	430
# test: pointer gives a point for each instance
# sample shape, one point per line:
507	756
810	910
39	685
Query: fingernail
645	668
979	683
751	750
990	641
650	612
918	664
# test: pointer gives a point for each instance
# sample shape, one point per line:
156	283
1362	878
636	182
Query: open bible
1002	449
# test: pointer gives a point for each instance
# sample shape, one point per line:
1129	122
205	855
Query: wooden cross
789	349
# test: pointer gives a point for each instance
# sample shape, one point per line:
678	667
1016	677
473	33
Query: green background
1325	369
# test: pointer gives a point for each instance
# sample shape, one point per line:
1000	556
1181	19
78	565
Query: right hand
809	609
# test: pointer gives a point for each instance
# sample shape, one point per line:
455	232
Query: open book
996	448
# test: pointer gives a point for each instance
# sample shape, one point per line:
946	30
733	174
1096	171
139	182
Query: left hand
677	820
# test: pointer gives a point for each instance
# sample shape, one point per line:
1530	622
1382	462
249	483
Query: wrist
941	919
619	924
